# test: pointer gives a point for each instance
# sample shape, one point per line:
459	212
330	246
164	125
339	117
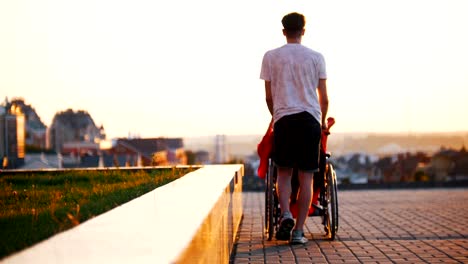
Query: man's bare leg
305	198
284	193
284	188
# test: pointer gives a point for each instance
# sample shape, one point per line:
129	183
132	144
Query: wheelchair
325	194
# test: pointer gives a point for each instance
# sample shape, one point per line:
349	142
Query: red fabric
294	207
323	145
264	149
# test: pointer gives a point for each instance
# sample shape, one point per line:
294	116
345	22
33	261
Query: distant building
202	157
35	130
449	164
407	165
460	171
356	168
400	167
72	127
12	137
148	152
80	148
220	153
384	170
119	153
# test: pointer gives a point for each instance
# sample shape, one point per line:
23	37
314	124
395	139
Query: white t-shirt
294	72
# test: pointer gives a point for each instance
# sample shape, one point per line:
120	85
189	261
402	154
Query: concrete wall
191	220
214	239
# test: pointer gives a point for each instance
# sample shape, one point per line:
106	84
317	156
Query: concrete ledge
192	219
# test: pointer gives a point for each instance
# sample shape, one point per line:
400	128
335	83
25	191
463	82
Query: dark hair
293	23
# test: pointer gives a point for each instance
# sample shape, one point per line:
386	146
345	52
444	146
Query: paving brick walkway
391	226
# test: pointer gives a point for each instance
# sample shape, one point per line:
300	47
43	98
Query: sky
191	68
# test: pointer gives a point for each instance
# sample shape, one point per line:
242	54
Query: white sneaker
285	227
298	238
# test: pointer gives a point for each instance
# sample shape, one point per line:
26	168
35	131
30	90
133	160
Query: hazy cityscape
74	140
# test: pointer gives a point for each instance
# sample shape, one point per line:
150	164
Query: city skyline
156	69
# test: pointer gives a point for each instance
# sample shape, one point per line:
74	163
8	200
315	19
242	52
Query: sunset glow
191	68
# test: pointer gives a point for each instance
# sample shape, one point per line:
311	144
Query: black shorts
296	142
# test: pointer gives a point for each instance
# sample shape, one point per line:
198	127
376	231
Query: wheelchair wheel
270	212
331	215
335	200
267	215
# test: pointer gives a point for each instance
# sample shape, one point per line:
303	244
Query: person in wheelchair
296	96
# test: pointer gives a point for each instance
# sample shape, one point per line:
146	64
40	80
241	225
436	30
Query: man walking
296	96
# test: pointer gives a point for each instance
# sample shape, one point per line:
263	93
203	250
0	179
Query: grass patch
34	207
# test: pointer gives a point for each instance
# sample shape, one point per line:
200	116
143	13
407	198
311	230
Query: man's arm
323	99
268	97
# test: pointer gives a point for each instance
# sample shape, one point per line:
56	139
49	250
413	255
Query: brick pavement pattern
384	226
